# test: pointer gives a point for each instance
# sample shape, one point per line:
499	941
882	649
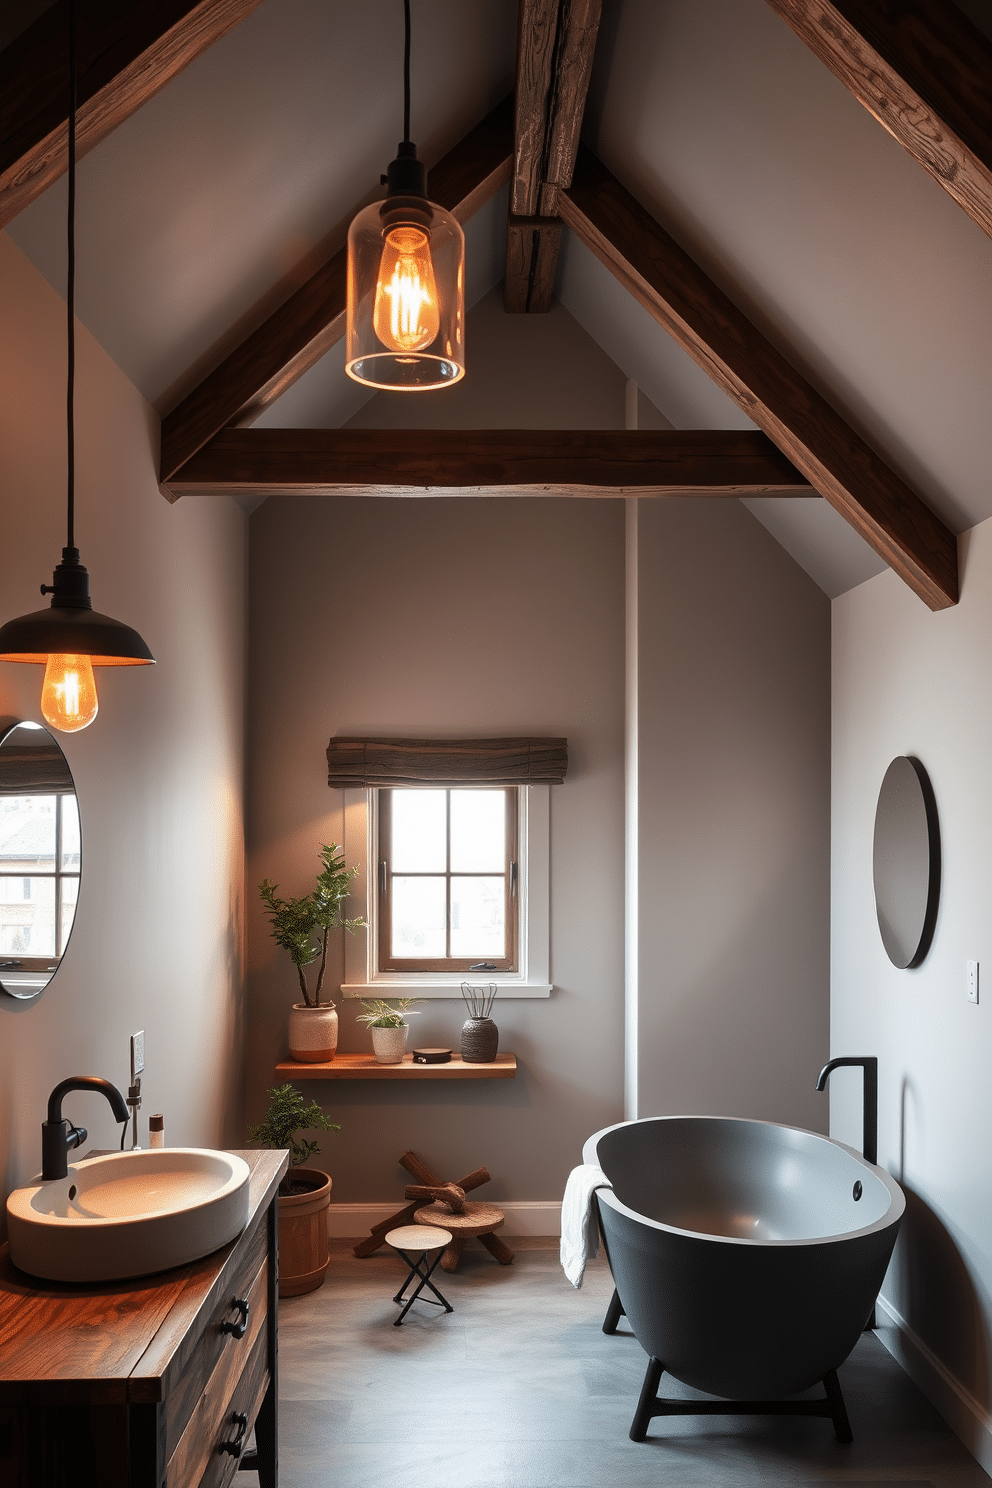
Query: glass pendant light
406	279
71	638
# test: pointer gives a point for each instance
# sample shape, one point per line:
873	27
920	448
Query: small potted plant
304	1193
301	926
384	1016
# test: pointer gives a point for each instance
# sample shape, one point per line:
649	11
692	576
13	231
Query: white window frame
362	977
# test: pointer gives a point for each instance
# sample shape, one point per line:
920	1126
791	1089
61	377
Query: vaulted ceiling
746	243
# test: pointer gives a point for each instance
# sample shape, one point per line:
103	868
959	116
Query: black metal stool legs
421	1269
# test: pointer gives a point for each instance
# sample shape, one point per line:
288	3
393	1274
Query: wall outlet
971	982
137	1054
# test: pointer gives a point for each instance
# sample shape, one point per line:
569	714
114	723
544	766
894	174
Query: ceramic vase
389	1044
313	1033
480	1040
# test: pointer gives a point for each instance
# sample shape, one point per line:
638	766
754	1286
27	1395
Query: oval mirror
906	862
40	858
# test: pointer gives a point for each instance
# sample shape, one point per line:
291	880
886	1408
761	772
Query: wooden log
448	1194
498	1248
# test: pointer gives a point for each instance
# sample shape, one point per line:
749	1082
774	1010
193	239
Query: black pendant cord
70	298
406	74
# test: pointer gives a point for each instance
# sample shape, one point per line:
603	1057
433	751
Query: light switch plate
137	1054
971	984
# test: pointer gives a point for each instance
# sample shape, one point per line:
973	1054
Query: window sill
432	986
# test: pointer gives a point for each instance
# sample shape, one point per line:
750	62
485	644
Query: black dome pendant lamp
70	637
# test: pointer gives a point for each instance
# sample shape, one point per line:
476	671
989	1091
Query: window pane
70	893
27	916
478	831
477	911
418	917
70	834
419	832
27	835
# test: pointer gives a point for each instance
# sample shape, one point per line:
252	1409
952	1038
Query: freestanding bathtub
747	1257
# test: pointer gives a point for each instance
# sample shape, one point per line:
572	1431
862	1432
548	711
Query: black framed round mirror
40	858
906	862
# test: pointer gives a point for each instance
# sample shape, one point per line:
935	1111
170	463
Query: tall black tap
59	1135
869	1063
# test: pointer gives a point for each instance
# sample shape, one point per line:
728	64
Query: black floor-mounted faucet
867	1062
59	1135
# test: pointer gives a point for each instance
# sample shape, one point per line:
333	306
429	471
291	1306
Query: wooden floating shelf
365	1067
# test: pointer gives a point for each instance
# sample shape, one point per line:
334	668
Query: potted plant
384	1016
301	926
304	1193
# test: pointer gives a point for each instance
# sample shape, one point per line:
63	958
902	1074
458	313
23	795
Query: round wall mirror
906	862
40	858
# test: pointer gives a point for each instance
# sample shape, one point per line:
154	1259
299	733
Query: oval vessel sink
128	1214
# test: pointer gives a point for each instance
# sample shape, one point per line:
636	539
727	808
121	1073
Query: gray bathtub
747	1256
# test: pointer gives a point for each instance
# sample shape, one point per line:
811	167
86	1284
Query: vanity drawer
214	1342
235	1386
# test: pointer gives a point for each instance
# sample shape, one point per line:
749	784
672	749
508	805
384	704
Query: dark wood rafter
924	71
308	324
126	53
488	462
556	40
709	326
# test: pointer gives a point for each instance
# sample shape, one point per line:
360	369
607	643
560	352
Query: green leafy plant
386	1012
287	1116
301	926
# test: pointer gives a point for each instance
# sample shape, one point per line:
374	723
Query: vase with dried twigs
480	1036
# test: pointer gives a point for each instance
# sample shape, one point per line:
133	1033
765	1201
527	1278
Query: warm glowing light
406	315
68	693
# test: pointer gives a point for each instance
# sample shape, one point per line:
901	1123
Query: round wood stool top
478	1219
418	1237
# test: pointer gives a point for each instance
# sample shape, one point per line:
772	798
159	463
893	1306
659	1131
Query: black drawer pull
237	1446
237	1329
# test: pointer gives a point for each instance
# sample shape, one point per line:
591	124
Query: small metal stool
414	1243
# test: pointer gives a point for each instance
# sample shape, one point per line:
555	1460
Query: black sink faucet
58	1135
867	1062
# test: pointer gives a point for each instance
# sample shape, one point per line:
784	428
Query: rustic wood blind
446	762
34	772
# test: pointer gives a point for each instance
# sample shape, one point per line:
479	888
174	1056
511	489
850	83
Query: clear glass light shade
68	693
406	302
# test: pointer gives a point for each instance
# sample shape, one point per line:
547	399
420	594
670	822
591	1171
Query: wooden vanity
151	1383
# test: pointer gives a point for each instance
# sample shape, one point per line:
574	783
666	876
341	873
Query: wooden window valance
446	762
34	772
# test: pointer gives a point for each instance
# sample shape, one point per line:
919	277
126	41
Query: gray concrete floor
520	1388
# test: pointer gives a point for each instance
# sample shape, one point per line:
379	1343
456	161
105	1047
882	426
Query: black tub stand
651	1404
613	1313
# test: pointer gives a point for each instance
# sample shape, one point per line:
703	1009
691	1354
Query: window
446	883
449	877
39	875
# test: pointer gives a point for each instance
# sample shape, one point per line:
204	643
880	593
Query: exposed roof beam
125	54
716	334
307	325
488	462
556	40
924	71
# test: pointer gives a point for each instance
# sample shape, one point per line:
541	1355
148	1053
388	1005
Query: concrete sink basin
128	1214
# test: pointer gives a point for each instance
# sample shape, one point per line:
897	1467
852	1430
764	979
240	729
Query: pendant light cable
406	74
70	298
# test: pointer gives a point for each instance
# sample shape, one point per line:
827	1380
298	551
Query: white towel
579	1227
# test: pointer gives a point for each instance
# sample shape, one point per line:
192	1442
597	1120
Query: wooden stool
404	1216
418	1241
474	1222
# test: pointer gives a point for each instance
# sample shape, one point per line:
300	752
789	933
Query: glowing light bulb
68	693
406	315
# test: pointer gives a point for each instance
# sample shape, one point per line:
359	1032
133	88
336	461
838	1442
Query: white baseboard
965	1415
522	1218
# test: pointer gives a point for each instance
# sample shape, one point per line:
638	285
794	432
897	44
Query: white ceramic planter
389	1044
313	1033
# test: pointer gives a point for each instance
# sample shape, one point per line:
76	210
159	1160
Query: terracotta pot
303	1256
313	1033
389	1044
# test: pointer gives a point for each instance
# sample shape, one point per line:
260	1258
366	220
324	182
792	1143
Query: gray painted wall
910	682
158	939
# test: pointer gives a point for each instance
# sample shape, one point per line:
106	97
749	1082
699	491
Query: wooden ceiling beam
836	461
924	71
125	54
556	41
308	324
488	462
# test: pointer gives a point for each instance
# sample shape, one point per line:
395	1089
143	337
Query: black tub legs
651	1404
613	1313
